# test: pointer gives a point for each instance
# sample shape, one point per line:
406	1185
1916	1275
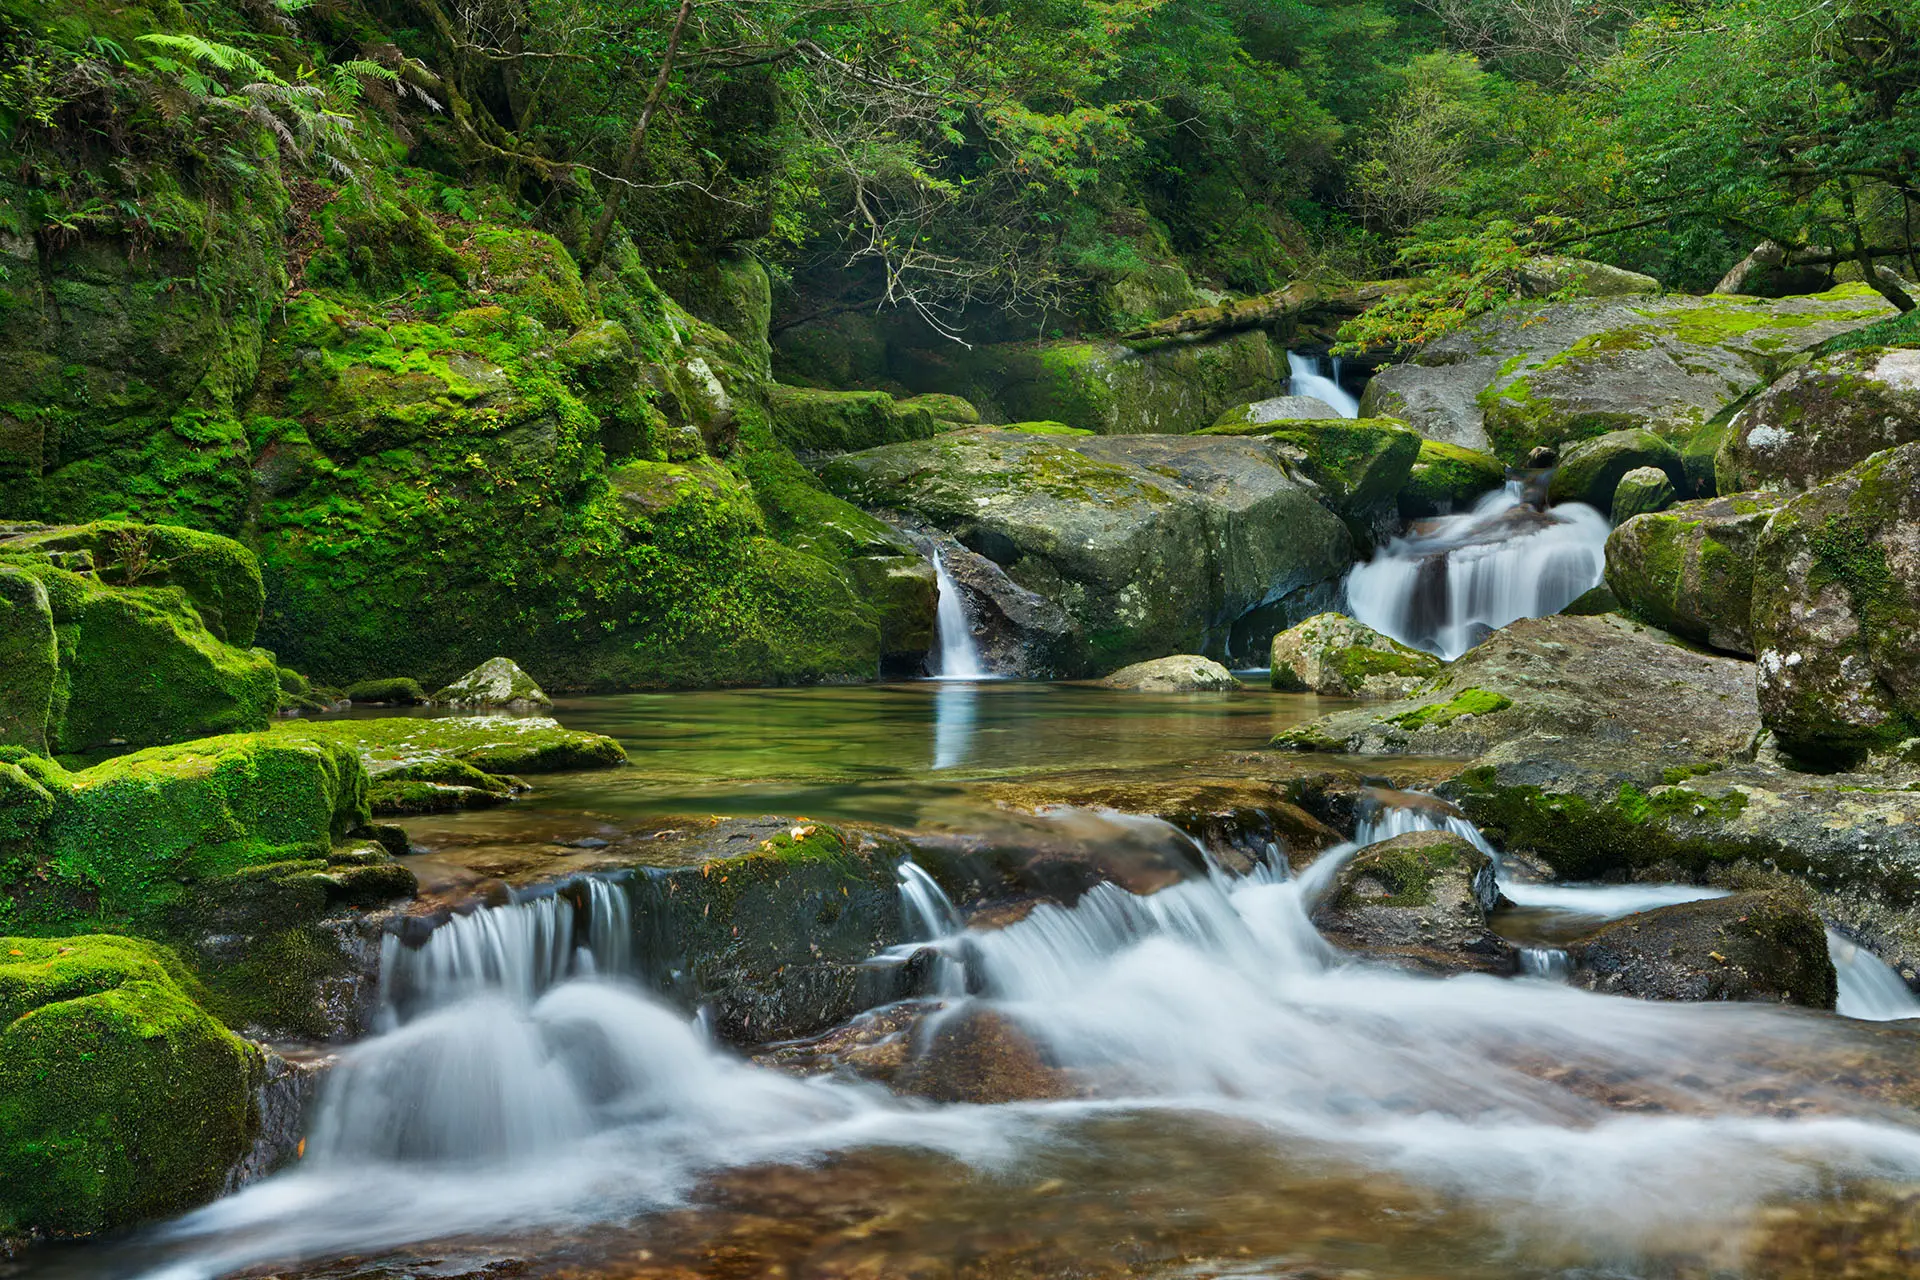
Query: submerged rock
1751	946
980	1055
1689	569
1534	374
1640	491
1821	420
1836	612
1149	543
121	1099
497	683
1334	655
1180	673
1418	900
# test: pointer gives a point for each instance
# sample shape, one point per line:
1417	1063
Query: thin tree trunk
597	243
1864	256
1296	300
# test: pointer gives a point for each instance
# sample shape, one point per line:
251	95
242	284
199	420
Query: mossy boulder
1767	946
121	1098
1151	544
1446	478
1821	419
1420	901
30	657
1551	273
1537	374
1640	491
1836	612
1359	464
1275	409
387	691
1689	569
810	421
1181	673
1334	655
945	408
137	666
503	745
219	576
1590	471
497	683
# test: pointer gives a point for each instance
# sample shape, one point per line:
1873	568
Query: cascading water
1306	380
518	1106
953	631
1452	580
1869	988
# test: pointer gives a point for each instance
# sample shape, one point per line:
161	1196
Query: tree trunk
1301	300
597	243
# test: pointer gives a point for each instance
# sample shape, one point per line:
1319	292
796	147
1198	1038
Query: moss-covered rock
120	1097
1151	544
504	745
1275	409
30	657
1836	612
1360	464
1689	569
945	408
1334	655
1418	900
497	683
1549	274
1821	419
1446	478
138	666
1548	374
387	691
1640	491
1767	946
219	576
810	421
1591	470
1180	673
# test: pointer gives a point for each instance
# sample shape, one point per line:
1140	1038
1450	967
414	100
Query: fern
222	57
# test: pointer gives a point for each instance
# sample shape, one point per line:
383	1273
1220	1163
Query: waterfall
1869	988
927	908
953	632
1451	581
1307	380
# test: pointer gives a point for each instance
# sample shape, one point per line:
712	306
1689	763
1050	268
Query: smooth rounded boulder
1332	654
1419	901
495	683
1591	470
1752	946
1640	491
1446	478
1689	569
1836	612
1822	419
1180	673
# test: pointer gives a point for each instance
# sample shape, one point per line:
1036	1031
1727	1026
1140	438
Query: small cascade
1550	964
928	909
1307	380
959	656
1447	584
1869	988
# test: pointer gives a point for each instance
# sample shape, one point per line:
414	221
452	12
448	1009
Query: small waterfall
1548	963
1869	988
1307	380
1450	582
953	631
928	909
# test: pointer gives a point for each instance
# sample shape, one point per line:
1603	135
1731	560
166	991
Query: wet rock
1590	471
1641	490
1533	374
1334	655
388	691
876	1045
1180	673
945	408
1359	464
1567	678
496	684
1751	946
1836	612
1689	569
1276	409
1017	632
1821	420
504	745
1149	543
1418	900
1446	479
980	1055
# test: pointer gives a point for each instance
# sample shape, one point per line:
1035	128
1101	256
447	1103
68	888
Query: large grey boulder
497	683
1836	612
1535	374
1151	544
1550	274
1332	654
1689	569
1642	491
1821	419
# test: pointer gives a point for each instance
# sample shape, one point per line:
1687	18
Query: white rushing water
1869	988
953	631
1452	580
1306	380
512	1095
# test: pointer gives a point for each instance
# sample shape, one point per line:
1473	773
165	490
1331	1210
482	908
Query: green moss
842	421
120	1098
1631	829
1895	331
504	745
30	657
1406	874
1439	715
1447	478
1045	429
403	691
